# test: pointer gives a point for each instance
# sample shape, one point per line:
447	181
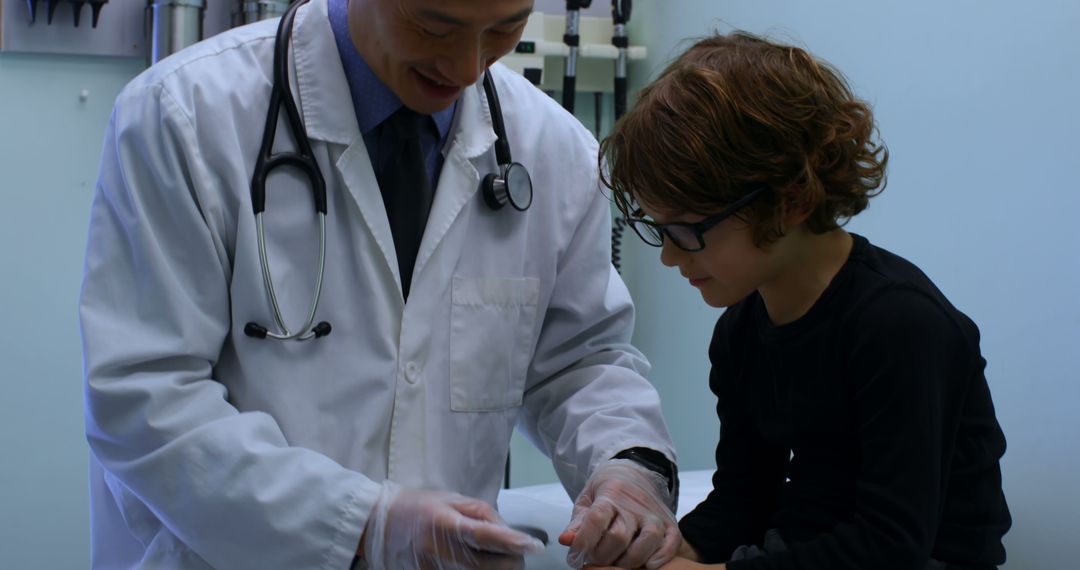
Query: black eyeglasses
687	236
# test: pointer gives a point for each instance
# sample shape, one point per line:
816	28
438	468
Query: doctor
382	443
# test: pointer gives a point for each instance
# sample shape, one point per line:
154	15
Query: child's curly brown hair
737	112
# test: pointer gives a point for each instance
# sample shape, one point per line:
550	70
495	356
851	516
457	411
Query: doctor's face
429	51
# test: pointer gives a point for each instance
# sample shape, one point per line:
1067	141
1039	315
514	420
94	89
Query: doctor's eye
508	30
434	34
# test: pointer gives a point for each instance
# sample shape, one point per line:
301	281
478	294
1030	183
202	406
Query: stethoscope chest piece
513	186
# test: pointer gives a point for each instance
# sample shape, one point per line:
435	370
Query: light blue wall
977	101
49	146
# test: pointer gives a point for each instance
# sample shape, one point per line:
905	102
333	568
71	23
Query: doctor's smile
436	89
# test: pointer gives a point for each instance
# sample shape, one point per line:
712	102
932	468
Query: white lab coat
213	449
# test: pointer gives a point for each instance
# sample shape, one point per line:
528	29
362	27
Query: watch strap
653	461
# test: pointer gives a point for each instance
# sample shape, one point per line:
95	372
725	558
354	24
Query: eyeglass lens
648	233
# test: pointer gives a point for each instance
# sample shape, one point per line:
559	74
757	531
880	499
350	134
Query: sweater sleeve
749	472
906	364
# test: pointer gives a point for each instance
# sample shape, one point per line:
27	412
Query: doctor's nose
465	64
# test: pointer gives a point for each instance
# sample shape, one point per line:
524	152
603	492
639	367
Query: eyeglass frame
698	228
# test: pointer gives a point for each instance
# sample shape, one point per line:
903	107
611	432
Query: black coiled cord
618	226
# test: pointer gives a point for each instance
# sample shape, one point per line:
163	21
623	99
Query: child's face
728	269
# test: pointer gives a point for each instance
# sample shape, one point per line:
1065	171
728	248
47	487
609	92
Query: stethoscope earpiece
322	329
255	330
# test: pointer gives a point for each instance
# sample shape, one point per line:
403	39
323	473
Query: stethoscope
511	184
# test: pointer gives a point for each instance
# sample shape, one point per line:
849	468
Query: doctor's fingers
643	546
496	538
615	542
476	509
591	525
655	545
669	549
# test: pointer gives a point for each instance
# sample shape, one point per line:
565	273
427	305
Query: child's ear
795	208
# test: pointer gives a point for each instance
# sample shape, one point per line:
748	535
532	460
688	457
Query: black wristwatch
653	461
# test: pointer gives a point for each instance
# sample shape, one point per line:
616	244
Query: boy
856	425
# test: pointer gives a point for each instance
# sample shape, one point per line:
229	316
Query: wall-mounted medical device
572	39
542	53
122	28
125	28
251	11
76	10
173	25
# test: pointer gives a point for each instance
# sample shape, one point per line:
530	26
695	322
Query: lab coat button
412	372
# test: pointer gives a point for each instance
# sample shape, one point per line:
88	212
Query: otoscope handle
569	90
620	11
572	39
620	15
620	97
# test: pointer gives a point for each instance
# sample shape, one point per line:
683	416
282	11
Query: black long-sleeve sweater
864	431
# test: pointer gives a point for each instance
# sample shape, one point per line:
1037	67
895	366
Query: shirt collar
373	100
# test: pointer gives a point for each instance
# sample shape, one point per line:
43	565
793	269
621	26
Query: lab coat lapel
326	104
460	179
355	168
322	90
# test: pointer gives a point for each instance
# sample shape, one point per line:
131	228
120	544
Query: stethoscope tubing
303	160
305	332
495	187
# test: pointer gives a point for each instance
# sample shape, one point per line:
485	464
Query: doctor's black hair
736	112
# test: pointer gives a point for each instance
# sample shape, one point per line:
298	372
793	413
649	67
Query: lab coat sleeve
587	396
182	463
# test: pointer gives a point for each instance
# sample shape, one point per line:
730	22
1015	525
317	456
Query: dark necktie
406	187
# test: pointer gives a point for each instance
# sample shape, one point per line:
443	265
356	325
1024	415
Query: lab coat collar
324	98
473	130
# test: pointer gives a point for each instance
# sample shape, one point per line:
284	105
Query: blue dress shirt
374	102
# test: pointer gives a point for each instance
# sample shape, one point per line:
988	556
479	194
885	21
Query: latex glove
623	517
429	530
675	564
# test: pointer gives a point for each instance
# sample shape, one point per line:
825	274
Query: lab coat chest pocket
491	329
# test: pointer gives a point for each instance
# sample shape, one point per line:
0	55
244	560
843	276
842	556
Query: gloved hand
623	517
436	530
